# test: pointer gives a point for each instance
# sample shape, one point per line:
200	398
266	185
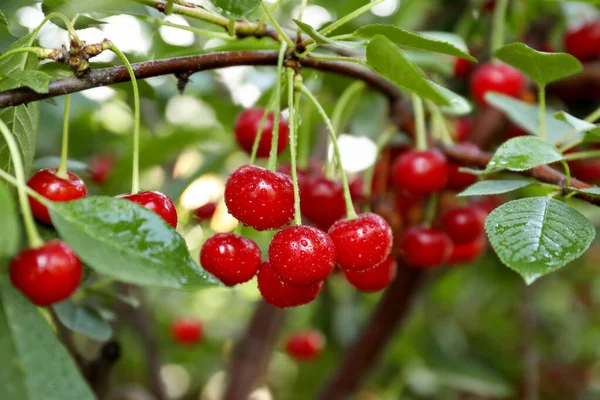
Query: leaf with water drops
486	188
523	153
537	235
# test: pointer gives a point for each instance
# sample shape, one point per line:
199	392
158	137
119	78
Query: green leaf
433	62
523	153
35	365
36	80
543	68
485	188
70	8
580	125
458	104
389	61
128	242
538	235
594	191
3	19
9	224
437	42
83	319
322	39
237	8
54	161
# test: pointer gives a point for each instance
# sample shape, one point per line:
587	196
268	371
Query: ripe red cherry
205	212
260	198
305	346
464	128
155	201
322	202
100	168
496	77
302	255
246	129
586	170
374	279
462	67
361	243
487	204
425	247
282	295
583	41
46	183
231	258
459	180
463	253
421	172
463	224
47	274
515	131
187	331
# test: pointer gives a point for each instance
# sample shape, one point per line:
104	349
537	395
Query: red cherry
282	295
205	212
100	168
425	247
187	331
515	131
463	224
260	198
487	204
421	172
464	128
583	41
155	201
361	243
357	190
231	258
462	67
46	183
496	77
322	202
489	6
305	346
246	129
459	180
47	274
467	252
586	170
302	255
374	279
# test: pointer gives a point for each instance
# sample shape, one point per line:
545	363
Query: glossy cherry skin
302	255
464	253
421	172
100	168
246	129
187	331
46	183
463	224
305	346
155	201
322	202
231	258
583	41
47	274
374	279
425	247
496	77
205	212
282	295
361	243
260	198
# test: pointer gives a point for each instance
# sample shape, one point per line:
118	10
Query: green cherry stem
50	16
275	136
294	103
30	192
261	127
542	109
300	16
593	117
497	39
351	213
198	31
32	234
421	135
342	104
431	211
33	50
264	18
169	7
583	155
276	25
347	18
64	153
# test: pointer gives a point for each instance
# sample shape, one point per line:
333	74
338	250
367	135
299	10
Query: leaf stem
294	102
193	12
497	39
431	211
198	31
347	18
48	17
342	103
304	136
275	136
420	134
264	18
567	172
64	153
261	127
542	108
169	7
594	116
30	192
300	16
33	50
276	25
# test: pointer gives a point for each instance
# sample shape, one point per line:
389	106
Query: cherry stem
261	127
30	192
304	136
582	155
431	210
34	50
542	108
198	31
293	103
135	176
593	117
276	25
32	234
300	16
381	142
497	39
64	154
60	16
438	124
419	112
275	136
351	213
567	172
263	19
169	7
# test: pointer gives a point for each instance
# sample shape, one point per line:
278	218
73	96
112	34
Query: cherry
260	198
305	346
463	224
409	205
463	253
464	128
374	279
459	180
425	247
231	258
246	129
322	202
155	201
462	67
100	168
302	255
583	41
586	170
487	204
282	295
205	212
187	331
47	274
361	243
314	169
46	183
357	190
496	77
421	172
515	131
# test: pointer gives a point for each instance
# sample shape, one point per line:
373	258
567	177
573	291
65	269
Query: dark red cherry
155	201
231	258
463	224
205	212
467	252
260	198
458	180
282	295
322	202
583	41
462	67
496	77
357	190
425	247
47	274
586	170
100	168
464	128
515	131
46	183
374	279
302	255
305	346
187	331
246	129
421	172
361	243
